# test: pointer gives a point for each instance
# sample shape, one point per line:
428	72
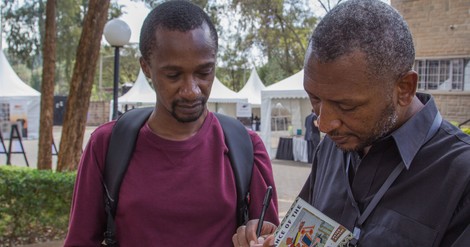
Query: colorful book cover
305	226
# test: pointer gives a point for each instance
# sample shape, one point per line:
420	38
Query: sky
135	13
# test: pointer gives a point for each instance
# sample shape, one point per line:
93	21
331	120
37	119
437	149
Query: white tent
252	89
224	100
18	102
282	101
140	94
221	99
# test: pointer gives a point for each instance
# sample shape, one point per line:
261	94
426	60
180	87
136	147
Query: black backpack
121	147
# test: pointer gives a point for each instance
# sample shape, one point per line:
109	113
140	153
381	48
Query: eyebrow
174	67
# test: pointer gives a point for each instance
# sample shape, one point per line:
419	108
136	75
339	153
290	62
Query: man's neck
168	127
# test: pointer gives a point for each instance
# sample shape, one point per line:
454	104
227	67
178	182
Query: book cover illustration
305	226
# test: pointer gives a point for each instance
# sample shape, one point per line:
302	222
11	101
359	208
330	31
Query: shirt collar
411	136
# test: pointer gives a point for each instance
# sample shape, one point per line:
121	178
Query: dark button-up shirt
427	205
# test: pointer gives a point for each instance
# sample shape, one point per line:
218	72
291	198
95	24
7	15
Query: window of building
443	74
281	118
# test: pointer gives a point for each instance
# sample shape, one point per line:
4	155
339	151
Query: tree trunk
47	89
81	84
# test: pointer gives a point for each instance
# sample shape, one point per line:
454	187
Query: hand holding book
304	225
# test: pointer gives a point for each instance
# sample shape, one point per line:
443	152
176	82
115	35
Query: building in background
441	33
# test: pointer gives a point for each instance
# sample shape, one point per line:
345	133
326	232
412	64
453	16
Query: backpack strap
121	147
241	157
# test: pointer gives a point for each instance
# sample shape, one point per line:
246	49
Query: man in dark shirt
312	134
390	169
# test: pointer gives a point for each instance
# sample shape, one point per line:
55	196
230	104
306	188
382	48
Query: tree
81	84
278	30
70	23
129	69
327	5
24	22
25	33
47	89
70	14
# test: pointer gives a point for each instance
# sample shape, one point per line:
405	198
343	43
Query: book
306	226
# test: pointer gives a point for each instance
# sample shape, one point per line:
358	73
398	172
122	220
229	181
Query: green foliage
129	67
271	73
24	35
69	18
466	131
464	128
34	205
270	35
23	27
258	33
277	31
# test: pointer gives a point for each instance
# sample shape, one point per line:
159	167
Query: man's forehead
165	35
204	26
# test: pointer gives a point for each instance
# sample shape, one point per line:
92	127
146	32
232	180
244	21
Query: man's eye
347	108
172	76
205	72
314	100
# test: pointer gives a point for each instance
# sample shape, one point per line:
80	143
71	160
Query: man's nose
190	88
328	119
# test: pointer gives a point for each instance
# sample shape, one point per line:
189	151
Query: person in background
257	122
179	188
390	169
312	134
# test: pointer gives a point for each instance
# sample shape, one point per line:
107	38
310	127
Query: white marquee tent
140	94
252	89
224	100
221	99
18	101
289	97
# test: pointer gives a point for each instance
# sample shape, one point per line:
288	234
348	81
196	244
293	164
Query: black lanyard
375	200
385	186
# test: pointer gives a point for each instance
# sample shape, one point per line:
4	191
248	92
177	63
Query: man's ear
145	67
406	87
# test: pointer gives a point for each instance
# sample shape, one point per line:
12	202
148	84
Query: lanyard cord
375	200
386	185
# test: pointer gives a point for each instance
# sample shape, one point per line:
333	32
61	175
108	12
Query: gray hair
370	26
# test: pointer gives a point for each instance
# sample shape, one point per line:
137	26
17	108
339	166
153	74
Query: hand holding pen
266	202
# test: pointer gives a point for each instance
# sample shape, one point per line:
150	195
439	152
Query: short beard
189	119
381	128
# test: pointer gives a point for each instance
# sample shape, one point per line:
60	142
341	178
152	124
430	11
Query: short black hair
178	15
370	26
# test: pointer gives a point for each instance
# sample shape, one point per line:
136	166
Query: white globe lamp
118	34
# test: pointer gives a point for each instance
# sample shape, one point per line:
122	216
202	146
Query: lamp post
118	34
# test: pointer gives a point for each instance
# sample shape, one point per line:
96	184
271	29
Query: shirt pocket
389	228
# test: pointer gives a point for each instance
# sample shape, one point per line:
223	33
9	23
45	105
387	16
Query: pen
266	202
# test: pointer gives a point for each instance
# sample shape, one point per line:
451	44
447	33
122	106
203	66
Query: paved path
31	148
58	243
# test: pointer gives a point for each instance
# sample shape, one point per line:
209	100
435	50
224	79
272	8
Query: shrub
34	205
466	131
